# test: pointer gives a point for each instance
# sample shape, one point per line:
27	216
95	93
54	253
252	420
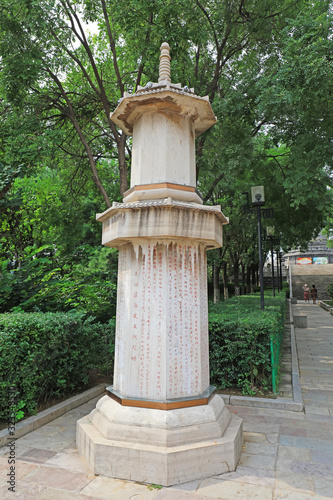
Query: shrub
330	291
85	281
286	289
49	355
240	341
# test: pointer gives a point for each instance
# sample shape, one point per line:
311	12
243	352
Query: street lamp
281	255
258	200
270	230
277	266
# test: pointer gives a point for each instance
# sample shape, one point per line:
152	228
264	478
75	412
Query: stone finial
164	63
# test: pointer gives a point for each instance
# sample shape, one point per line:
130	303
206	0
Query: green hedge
240	341
44	355
49	355
330	291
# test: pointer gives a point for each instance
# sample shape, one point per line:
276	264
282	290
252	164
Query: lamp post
258	201
270	230
281	254
277	269
277	243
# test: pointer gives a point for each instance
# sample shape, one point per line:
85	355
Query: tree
265	66
50	253
77	79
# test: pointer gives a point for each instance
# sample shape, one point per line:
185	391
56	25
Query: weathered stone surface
177	445
162	223
163	428
300	321
162	301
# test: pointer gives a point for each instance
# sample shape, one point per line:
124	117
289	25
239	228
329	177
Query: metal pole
260	262
280	270
290	282
273	277
277	270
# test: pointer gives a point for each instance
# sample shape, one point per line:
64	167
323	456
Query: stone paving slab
179	495
53	494
324	487
54	477
107	488
214	488
49	415
250	475
23	492
22	470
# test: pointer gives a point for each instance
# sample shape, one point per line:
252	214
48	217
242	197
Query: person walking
306	290
314	293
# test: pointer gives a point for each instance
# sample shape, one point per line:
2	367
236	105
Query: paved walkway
286	455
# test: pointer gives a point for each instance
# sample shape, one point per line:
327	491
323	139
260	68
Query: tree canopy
266	67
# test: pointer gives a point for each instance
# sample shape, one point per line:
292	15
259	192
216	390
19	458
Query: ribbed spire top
164	70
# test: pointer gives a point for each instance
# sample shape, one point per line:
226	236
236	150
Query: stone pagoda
161	421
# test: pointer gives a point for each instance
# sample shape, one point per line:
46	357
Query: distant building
317	253
313	266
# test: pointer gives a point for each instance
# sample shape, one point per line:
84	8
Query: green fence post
274	370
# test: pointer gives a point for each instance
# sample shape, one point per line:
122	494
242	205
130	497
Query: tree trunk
236	278
253	278
243	278
216	283
225	280
248	280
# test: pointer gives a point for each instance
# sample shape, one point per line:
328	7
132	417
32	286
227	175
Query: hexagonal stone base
163	447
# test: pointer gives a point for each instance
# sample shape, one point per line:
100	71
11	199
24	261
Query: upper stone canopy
164	96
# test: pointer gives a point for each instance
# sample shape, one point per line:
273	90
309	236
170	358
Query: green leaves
267	67
40	284
49	355
240	341
330	290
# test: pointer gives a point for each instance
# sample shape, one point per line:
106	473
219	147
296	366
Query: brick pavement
286	454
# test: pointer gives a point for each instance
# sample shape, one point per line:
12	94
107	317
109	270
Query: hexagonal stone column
161	421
